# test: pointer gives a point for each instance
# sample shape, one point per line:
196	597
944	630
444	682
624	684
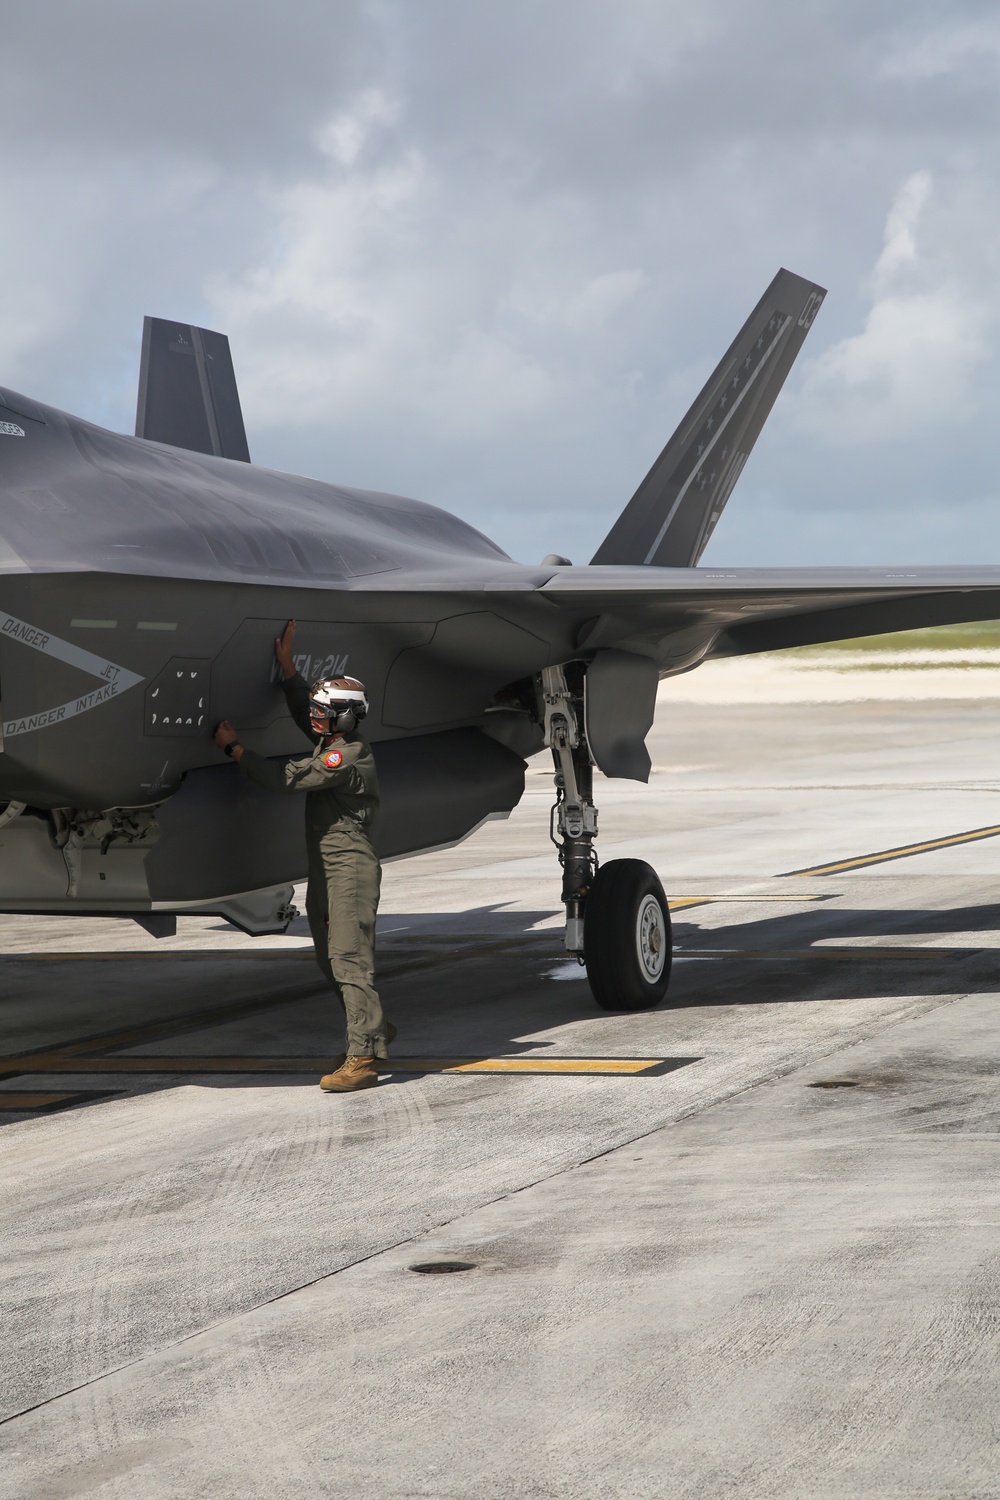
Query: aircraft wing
680	616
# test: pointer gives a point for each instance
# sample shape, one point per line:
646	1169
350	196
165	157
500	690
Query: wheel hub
650	938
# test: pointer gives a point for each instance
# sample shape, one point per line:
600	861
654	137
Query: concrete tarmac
744	1244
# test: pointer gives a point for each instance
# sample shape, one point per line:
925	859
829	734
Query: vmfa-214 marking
171	553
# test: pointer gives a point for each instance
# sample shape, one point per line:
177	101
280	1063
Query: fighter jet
143	581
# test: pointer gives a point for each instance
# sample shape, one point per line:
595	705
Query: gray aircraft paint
673	513
216	554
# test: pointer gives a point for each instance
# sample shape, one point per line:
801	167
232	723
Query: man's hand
283	645
225	735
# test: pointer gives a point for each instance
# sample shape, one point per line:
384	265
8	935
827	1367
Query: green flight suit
341	789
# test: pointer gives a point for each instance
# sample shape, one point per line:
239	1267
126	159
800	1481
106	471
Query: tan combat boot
355	1073
341	1057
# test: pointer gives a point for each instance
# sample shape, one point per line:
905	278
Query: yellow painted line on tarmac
679	903
608	1066
291	949
87	956
14	1101
856	951
63	1062
203	1020
86	1048
902	852
460	949
58	1064
134	1036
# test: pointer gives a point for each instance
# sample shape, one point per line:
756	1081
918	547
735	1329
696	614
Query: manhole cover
836	1083
442	1267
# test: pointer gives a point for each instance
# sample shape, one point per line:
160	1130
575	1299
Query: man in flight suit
341	790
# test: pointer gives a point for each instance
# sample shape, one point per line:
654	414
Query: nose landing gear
617	916
573	821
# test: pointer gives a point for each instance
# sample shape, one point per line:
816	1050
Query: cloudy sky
484	252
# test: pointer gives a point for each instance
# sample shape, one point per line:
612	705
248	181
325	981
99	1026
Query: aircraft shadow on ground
487	987
478	991
784	958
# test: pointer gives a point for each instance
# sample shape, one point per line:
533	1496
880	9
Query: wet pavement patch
442	1267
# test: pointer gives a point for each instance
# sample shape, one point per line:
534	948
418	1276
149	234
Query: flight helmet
342	701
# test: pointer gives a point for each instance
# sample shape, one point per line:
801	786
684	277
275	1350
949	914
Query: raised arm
295	688
283	648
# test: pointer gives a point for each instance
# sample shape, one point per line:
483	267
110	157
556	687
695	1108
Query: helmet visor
334	709
330	700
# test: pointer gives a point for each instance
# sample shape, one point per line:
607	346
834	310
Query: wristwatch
228	749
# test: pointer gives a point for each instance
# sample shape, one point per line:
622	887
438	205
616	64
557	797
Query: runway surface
745	1244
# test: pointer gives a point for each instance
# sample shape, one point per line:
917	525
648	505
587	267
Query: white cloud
383	302
914	366
314	315
899	248
343	138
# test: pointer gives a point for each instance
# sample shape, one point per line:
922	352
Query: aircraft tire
626	936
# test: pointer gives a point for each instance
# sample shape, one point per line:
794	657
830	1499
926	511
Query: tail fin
187	390
673	513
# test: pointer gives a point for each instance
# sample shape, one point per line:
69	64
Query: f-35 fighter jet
143	580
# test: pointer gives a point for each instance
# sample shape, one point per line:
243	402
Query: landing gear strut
617	917
573	821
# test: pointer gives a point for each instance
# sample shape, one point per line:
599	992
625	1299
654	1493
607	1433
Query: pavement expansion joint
244	1314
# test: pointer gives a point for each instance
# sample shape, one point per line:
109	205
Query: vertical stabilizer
187	390
673	513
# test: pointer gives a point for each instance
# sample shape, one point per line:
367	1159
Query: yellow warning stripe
856	950
460	948
603	1065
680	903
12	1101
86	955
53	1062
61	1063
56	1059
902	852
134	1036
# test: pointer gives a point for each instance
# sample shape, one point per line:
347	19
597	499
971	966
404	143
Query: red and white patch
333	760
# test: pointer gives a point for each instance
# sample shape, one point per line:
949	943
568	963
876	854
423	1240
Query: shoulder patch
333	760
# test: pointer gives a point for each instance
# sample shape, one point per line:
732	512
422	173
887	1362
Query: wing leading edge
673	513
679	617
